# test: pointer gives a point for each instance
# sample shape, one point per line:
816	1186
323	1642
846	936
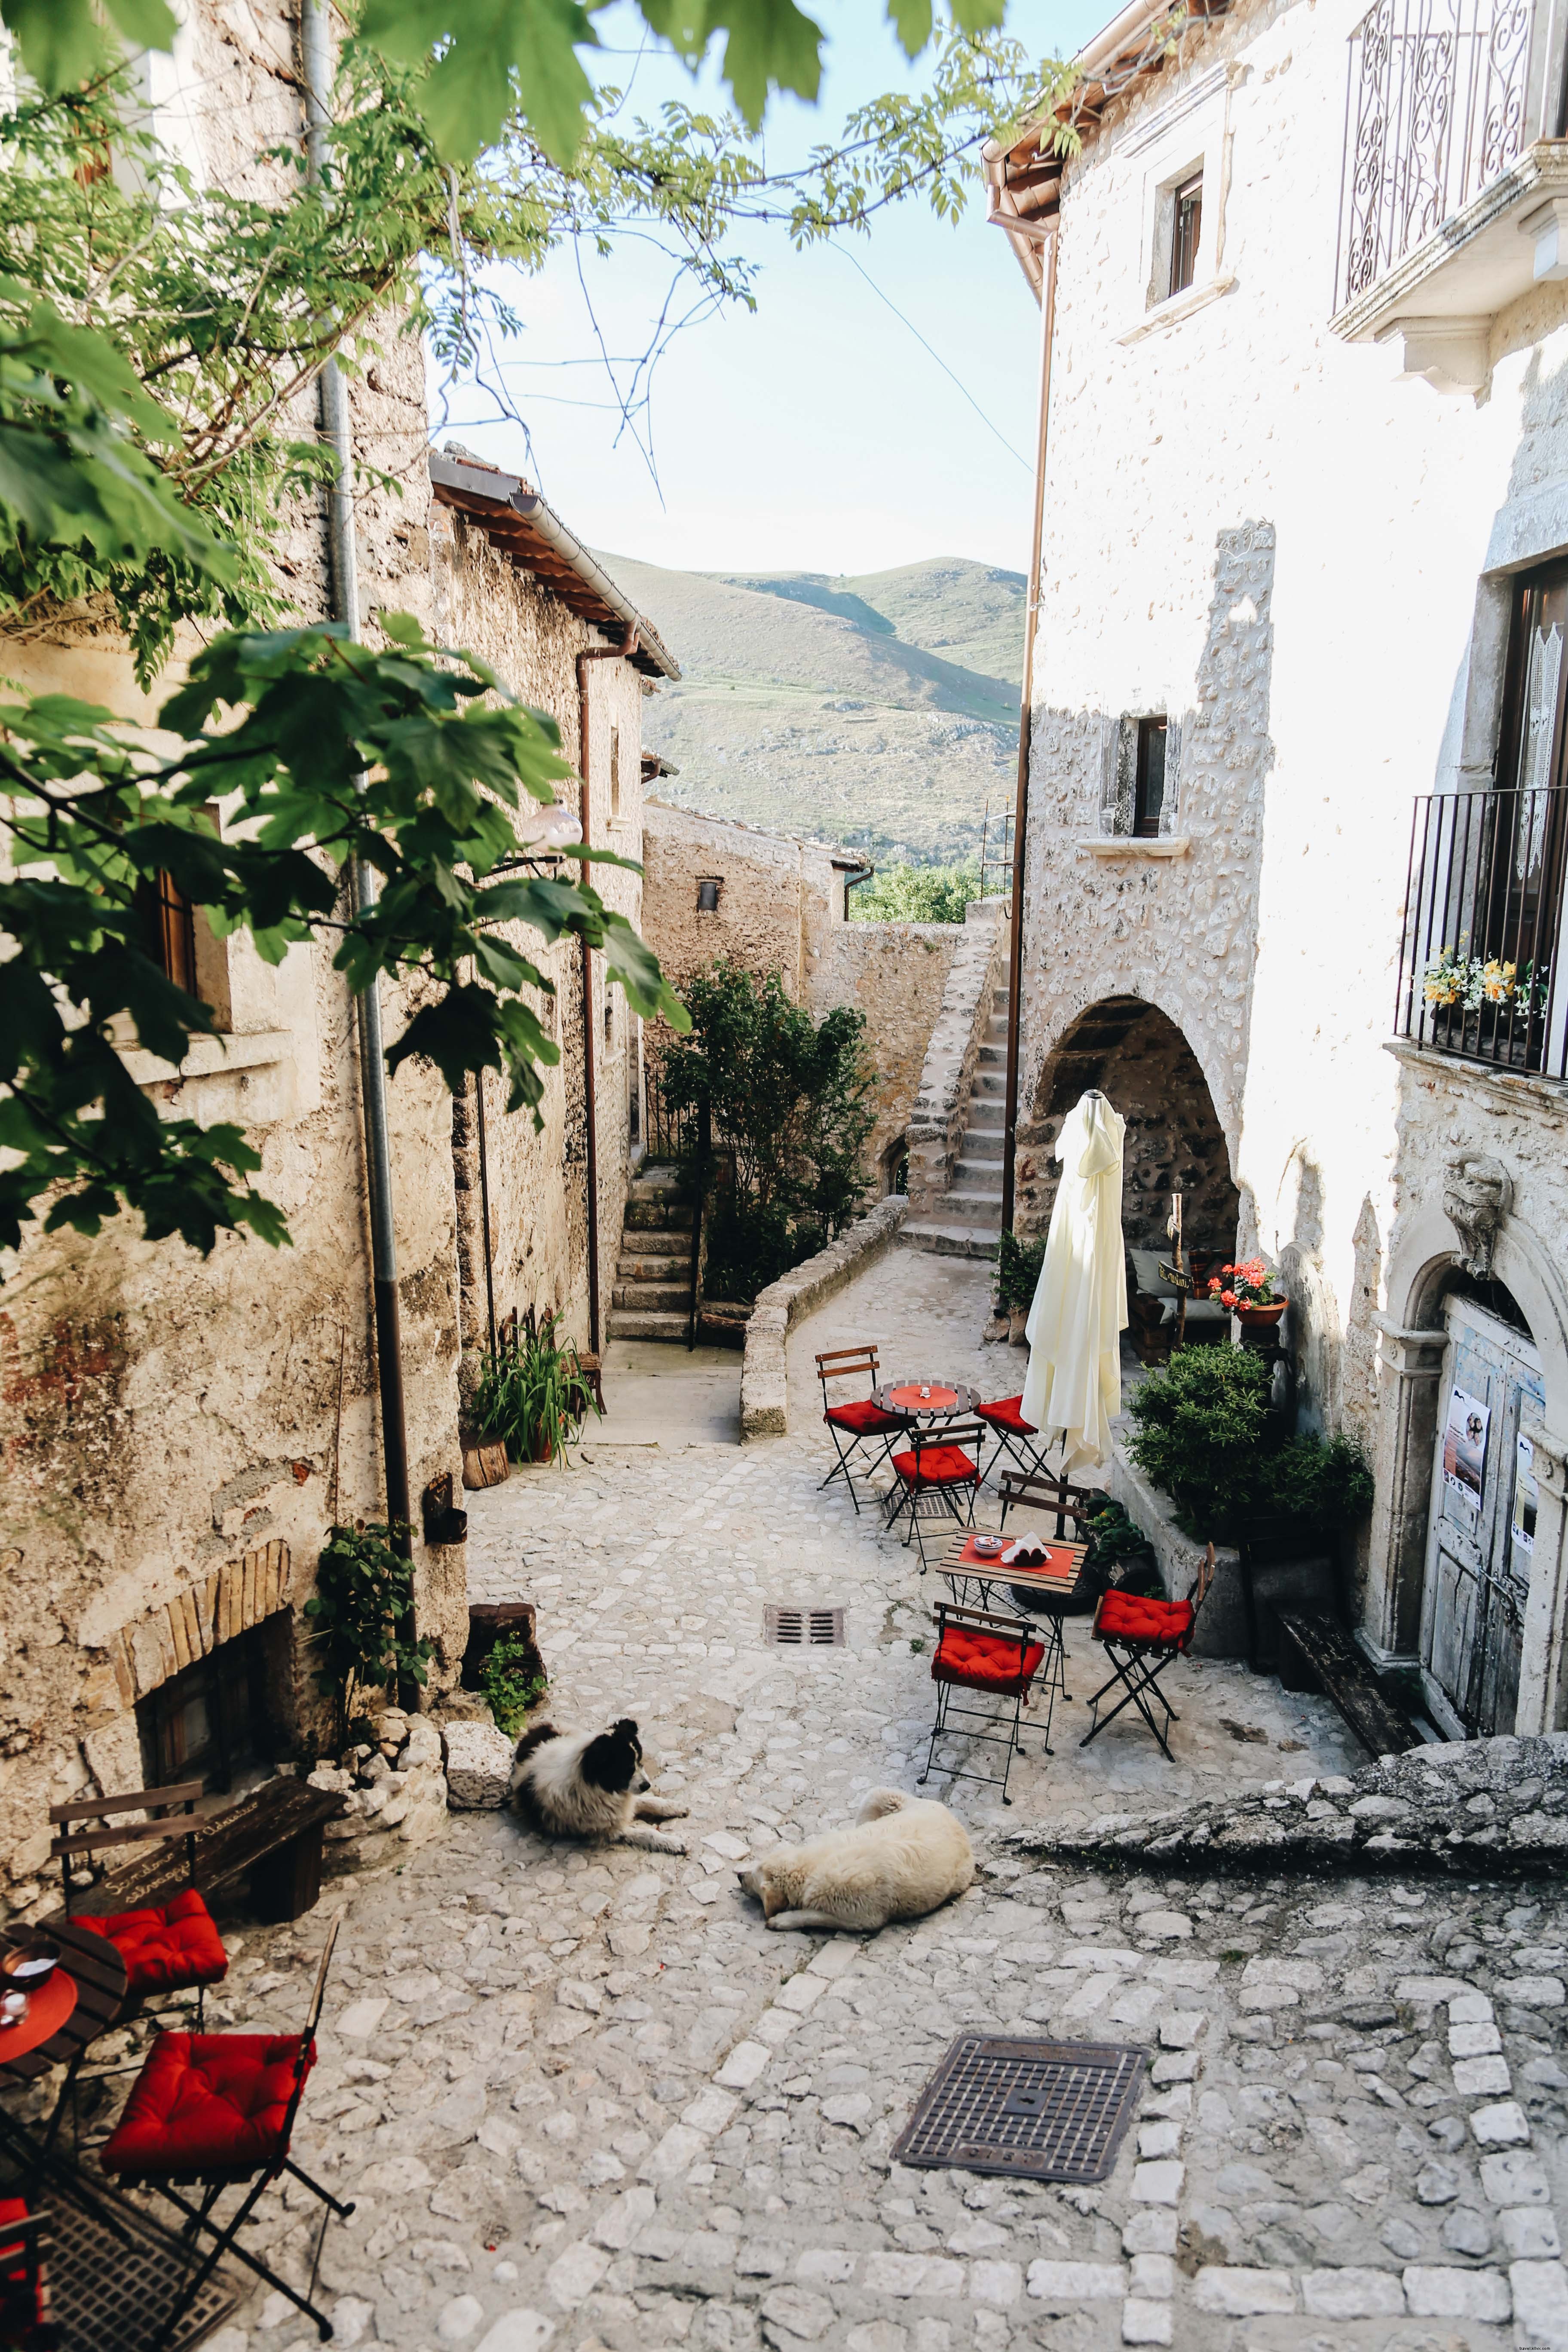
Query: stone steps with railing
962	1217
651	1295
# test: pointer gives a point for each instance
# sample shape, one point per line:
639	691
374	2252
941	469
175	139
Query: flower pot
541	1445
485	1462
1261	1319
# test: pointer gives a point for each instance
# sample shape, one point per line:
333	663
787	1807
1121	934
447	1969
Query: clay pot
1262	1318
484	1463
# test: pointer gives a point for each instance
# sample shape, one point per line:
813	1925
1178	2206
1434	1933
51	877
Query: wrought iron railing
1444	95
1478	971
996	853
670	1127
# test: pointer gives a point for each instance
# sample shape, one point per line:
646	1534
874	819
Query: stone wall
979	969
781	909
1302	560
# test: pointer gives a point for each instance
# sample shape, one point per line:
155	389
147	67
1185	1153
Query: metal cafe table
84	1997
1045	1592
922	1401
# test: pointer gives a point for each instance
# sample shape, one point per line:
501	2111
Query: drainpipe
622	652
1026	714
316	55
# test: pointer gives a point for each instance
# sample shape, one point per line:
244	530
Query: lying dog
590	1784
904	1856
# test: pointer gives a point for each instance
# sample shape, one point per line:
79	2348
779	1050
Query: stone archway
1426	1262
1137	1055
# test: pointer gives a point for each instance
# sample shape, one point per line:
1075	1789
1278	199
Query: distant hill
879	711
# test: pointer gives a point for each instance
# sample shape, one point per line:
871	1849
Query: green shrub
749	1244
363	1600
532	1395
511	1682
1019	1268
1203	1434
916	894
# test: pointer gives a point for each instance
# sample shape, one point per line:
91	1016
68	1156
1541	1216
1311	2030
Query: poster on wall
1526	1495
1465	1448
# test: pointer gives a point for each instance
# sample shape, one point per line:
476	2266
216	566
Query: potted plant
532	1394
1248	1289
361	1618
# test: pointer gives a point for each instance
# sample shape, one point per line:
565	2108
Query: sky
817	434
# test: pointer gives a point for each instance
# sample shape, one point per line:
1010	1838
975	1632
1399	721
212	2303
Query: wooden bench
1334	1665
272	1838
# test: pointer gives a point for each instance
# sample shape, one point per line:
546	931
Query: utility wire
936	356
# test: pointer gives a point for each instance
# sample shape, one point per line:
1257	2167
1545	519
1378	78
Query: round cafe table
85	1996
923	1400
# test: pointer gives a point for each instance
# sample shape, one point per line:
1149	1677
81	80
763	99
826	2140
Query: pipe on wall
1026	724
316	59
623	652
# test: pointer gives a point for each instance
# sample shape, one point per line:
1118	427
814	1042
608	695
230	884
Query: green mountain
879	711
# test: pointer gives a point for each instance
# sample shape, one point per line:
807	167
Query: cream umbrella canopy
1074	1384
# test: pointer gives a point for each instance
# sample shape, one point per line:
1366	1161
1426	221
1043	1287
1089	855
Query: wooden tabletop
101	1988
1048	1584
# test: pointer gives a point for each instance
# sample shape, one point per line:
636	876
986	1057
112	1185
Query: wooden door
1479	1547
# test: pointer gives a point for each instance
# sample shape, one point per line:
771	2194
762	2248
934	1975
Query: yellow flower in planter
1496	980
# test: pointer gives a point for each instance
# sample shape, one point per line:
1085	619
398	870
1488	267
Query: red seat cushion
166	1948
865	1418
936	1465
207	2102
1127	1616
14	2271
1006	1414
984	1661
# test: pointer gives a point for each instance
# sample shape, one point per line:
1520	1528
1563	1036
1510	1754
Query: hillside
878	711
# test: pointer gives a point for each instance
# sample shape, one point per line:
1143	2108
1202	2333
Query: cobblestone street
583	2098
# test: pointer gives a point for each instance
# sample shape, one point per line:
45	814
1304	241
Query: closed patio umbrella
1075	1326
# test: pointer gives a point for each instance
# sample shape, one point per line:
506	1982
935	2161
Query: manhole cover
1044	2110
115	2275
803	1629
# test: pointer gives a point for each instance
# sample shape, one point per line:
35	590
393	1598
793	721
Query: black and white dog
590	1784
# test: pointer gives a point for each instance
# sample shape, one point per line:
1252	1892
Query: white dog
590	1784
905	1856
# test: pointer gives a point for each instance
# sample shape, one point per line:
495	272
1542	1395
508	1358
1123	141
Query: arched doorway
1139	1057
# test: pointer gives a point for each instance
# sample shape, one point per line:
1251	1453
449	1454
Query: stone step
991	1086
663	1241
983	1210
997	1029
988	1117
636	1323
654	1270
1002	1000
945	1239
657	1217
992	1058
657	1298
982	1143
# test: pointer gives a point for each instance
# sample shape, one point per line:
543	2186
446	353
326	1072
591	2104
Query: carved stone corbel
1477	1196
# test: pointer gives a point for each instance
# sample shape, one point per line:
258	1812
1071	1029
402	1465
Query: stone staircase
966	1222
651	1294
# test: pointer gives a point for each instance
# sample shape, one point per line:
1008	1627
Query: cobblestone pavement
583	2098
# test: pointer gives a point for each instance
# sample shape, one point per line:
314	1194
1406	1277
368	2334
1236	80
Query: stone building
713	887
1297	727
178	1432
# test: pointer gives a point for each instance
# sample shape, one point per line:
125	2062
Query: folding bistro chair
862	1423
1141	1638
215	2111
1050	1492
930	1475
998	1657
25	2322
167	1947
1019	1440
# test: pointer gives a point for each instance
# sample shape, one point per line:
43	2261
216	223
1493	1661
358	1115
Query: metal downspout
1026	716
623	652
316	57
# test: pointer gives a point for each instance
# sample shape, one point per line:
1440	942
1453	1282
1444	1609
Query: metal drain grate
114	2276
803	1629
1039	2110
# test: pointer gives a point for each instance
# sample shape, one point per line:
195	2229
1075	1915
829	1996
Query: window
221	1716
614	773
169	930
1149	791
1186	227
707	894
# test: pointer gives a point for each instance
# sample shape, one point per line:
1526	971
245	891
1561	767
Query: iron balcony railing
1443	96
1479	969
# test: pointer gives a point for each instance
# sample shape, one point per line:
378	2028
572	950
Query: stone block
1157	2183
795	2315
518	2331
1473	2040
478	1766
1440	2293
1236	2293
995	2282
1146	2323
1064	2284
743	2066
1152	2230
1503	2126
1482	2078
1469	2008
1159	2139
1515	2180
1533	1993
1152	2277
1352	2294
1182	2029
1178	2066
1539	2304
575	2273
1530	2234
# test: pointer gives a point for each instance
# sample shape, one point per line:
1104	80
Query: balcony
1478	967
1454	187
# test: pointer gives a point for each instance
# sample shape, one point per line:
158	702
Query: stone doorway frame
1411	1346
